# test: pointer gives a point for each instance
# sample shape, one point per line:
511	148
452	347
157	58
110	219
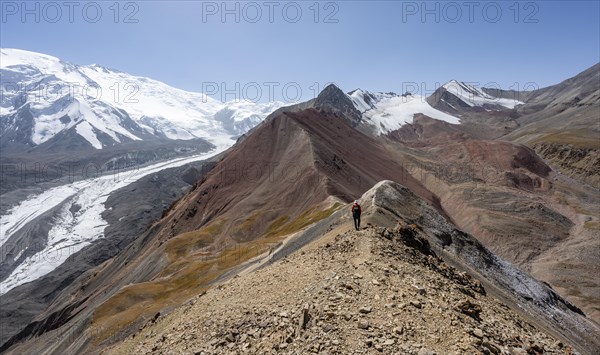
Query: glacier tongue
80	219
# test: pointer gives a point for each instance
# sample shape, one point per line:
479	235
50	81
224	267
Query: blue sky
378	46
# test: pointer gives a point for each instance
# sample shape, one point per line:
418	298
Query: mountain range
62	116
501	185
105	107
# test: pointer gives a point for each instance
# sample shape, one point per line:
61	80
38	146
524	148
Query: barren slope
510	199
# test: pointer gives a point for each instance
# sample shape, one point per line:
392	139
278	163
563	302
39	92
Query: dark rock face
26	242
15	130
334	100
54	321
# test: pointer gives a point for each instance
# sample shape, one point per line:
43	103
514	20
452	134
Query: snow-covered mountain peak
473	95
467	88
11	57
387	112
365	100
114	104
46	64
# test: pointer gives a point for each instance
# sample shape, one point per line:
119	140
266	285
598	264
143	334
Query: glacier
74	228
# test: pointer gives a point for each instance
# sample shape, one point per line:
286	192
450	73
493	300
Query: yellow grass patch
190	272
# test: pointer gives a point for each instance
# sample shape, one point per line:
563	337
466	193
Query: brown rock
491	347
365	309
473	310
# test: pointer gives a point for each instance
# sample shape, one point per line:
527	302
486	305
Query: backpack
356	210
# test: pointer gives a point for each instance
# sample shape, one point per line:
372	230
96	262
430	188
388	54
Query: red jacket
357	207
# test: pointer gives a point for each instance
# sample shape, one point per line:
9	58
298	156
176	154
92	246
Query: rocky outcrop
580	162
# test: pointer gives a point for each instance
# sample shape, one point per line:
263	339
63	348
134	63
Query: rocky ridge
377	290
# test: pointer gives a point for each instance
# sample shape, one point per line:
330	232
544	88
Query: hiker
356	214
